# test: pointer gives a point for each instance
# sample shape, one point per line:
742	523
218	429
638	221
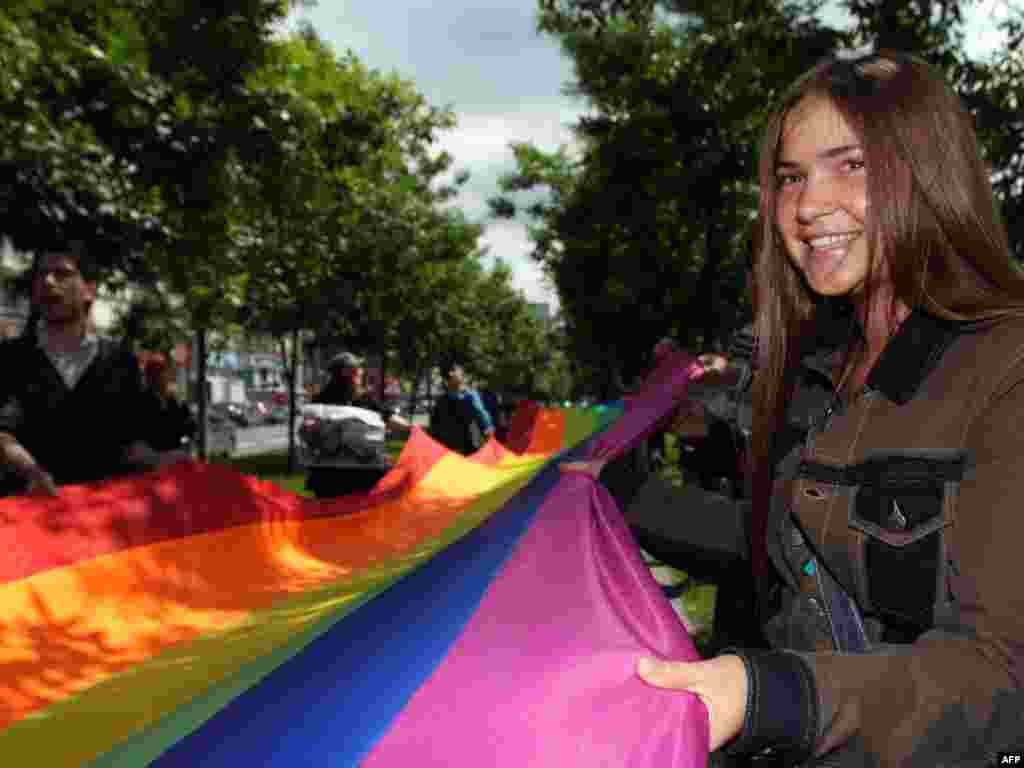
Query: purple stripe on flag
544	672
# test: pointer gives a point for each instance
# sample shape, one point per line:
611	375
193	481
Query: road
262	439
252	440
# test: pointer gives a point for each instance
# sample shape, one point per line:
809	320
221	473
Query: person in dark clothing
73	407
495	405
173	426
349	451
345	384
459	419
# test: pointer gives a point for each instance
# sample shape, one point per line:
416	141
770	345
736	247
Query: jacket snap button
897	519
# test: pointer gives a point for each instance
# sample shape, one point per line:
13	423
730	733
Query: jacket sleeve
956	692
434	423
483	417
10	409
135	399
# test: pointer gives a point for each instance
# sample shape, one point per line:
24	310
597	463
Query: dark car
242	414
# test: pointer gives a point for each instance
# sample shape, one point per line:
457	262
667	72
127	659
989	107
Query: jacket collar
906	361
912	354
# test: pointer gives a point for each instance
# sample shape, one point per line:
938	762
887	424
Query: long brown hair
931	215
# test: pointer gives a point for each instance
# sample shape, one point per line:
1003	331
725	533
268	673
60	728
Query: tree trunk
414	399
382	353
201	397
293	375
707	282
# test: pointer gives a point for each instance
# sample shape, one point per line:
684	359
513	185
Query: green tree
678	93
124	125
510	345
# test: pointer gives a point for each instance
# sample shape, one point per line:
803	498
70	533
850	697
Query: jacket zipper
809	568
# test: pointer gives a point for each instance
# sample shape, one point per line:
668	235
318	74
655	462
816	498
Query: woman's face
821	200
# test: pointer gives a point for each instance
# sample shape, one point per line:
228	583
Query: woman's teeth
831	241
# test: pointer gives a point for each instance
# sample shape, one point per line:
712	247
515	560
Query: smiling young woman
881	131
896	626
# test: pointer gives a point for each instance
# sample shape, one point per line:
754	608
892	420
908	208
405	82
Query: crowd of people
354	460
76	407
879	391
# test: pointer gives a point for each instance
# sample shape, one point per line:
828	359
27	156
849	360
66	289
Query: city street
263	439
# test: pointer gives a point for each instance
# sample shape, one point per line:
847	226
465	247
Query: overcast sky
505	83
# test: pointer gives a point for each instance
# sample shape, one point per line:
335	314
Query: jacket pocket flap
898	515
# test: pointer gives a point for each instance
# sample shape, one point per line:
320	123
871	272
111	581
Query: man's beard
61	313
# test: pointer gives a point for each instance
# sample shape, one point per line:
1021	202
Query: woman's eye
855	164
785	179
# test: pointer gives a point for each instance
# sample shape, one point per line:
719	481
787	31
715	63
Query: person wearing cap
173	426
346	388
346	381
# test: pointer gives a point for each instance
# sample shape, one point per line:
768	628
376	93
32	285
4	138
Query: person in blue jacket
459	419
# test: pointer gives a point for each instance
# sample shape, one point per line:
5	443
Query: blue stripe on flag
334	700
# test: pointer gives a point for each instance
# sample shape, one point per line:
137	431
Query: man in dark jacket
350	453
73	407
459	419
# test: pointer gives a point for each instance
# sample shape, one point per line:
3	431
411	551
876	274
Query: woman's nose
817	199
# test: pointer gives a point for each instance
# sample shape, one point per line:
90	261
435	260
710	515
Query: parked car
277	414
221	433
242	414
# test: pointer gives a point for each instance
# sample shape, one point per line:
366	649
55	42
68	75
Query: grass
698	600
273	466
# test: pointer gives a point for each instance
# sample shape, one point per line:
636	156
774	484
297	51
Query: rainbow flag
483	610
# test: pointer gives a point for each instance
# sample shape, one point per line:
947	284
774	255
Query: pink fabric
544	672
647	407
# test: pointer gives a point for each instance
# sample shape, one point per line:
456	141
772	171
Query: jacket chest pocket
902	503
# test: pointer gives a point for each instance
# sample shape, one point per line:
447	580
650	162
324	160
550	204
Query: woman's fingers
720	683
712	363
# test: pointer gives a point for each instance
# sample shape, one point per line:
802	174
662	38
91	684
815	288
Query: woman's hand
713	362
720	683
592	467
716	370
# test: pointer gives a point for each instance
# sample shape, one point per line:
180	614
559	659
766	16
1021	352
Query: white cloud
981	33
508	241
483	132
480	144
486	61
